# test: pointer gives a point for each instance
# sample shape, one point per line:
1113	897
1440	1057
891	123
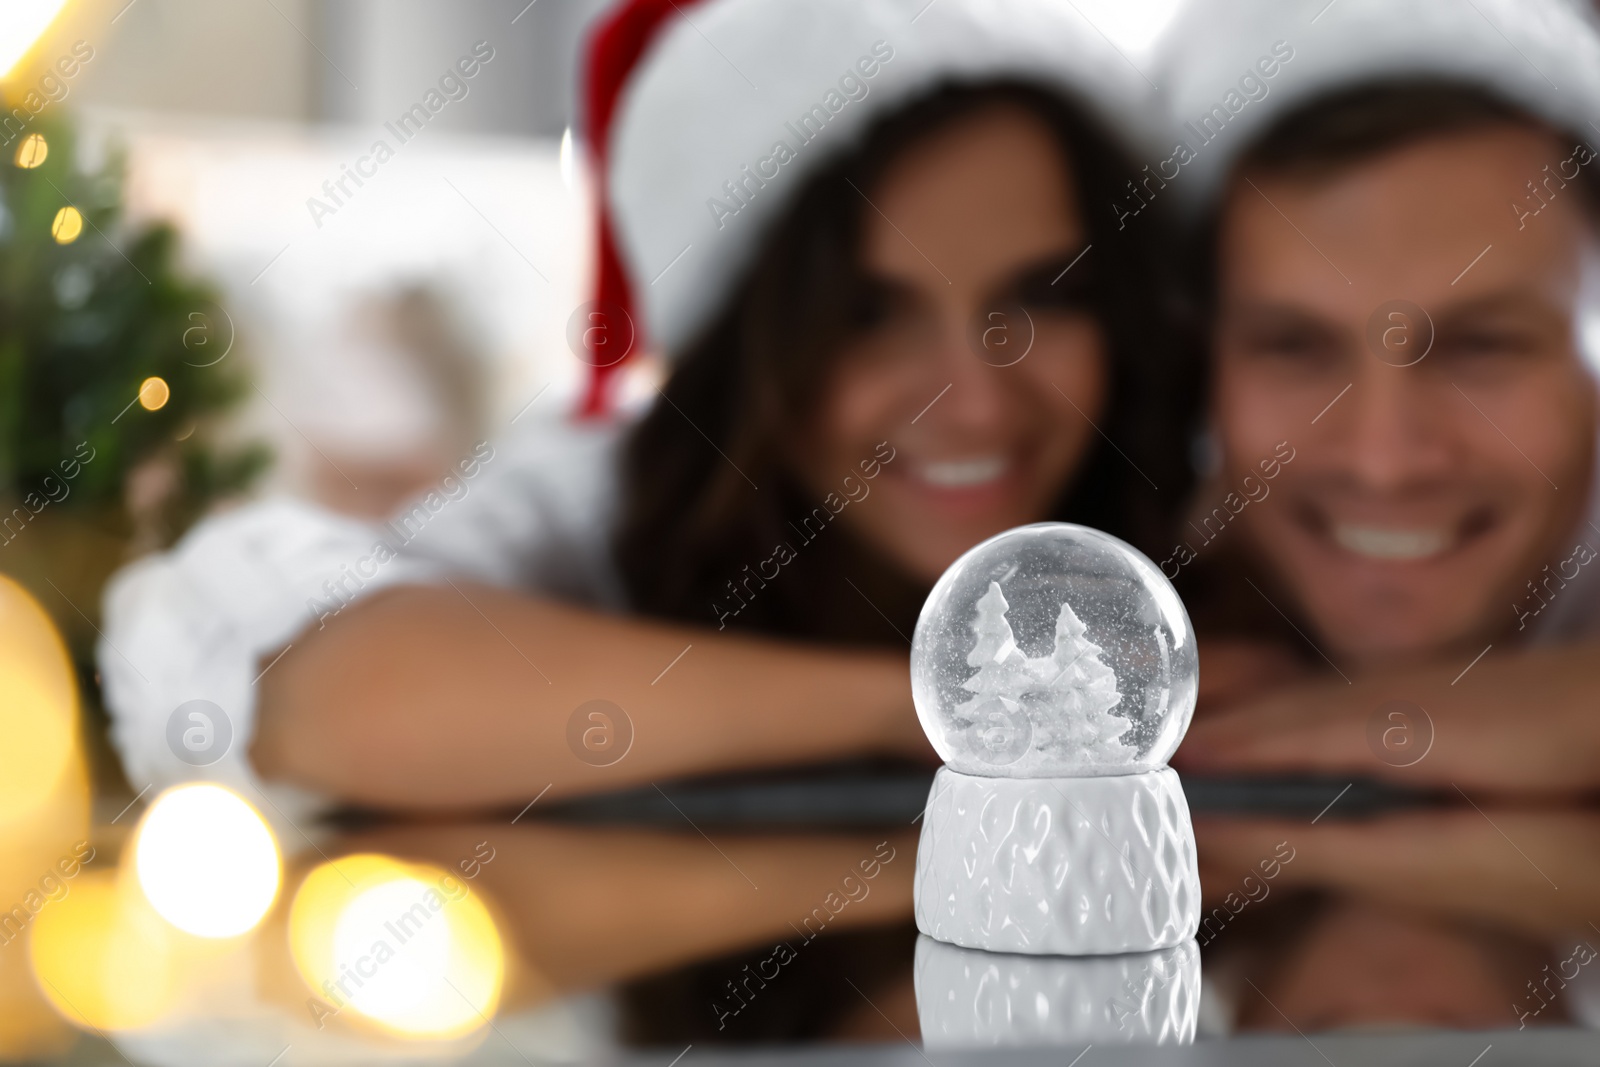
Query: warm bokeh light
101	961
154	394
406	946
38	707
44	810
33	151
207	861
22	22
67	226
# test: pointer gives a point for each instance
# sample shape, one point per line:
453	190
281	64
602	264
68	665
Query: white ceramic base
1058	866
967	998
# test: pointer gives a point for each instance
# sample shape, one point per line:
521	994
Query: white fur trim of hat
740	102
1229	69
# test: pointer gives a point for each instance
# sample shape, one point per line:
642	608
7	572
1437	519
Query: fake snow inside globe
1054	651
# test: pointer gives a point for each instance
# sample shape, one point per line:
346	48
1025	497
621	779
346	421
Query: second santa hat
1230	69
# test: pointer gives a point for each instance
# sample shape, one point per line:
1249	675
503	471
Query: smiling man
1403	243
1426	348
1404	296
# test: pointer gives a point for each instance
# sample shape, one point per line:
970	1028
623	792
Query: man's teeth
962	474
1390	544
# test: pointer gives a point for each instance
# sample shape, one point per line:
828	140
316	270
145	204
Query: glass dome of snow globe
1054	651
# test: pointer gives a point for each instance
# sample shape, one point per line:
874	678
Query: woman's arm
460	697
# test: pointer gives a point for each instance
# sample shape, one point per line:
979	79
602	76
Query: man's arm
1522	723
1513	744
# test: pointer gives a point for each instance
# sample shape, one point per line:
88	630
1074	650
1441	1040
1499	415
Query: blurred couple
1357	245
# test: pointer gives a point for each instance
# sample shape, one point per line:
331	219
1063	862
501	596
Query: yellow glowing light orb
154	394
67	226
38	706
100	960
33	151
207	861
405	946
22	22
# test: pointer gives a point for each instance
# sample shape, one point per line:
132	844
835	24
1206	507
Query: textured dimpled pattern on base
967	998
1058	866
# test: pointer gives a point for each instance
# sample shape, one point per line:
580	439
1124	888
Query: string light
38	711
33	151
405	947
68	224
44	813
154	394
101	961
207	861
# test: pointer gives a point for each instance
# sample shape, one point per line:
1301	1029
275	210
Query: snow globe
1054	670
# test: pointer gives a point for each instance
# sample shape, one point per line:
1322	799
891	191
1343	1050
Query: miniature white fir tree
994	713
995	652
1060	703
1083	689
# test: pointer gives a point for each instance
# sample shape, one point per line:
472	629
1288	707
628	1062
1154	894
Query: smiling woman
863	319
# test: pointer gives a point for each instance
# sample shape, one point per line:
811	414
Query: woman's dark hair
694	526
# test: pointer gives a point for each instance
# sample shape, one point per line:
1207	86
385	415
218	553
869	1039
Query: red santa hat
1230	69
706	119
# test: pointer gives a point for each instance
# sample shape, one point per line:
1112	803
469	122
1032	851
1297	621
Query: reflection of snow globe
1052	651
1054	670
968	999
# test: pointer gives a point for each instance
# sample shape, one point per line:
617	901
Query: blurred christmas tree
89	312
112	374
